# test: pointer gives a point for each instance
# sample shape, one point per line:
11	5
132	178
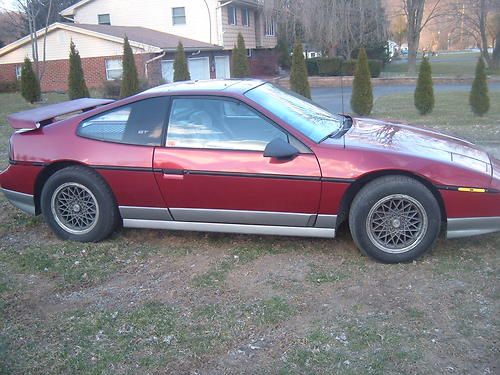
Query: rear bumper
24	202
472	226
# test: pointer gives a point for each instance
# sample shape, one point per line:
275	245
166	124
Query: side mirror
280	149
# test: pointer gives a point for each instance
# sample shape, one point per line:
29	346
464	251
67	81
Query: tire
78	205
394	219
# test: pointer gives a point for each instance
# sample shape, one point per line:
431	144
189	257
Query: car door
213	168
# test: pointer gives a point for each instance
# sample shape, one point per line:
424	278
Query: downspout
152	60
209	20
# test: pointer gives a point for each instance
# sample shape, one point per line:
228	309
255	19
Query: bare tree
418	17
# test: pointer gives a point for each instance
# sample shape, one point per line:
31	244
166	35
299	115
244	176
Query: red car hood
368	133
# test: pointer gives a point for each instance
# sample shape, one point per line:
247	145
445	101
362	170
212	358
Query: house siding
58	42
230	32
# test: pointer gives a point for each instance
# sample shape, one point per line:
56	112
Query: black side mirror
280	149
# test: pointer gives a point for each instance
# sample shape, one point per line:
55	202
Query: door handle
173	174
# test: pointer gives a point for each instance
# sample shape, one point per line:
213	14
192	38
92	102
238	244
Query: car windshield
302	114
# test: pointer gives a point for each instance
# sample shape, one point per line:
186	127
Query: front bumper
24	202
472	226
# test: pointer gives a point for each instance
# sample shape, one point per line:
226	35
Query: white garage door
222	67
199	68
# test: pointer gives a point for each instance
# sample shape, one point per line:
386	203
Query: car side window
138	123
219	124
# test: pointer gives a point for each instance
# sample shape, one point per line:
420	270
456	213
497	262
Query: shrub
349	67
312	67
111	89
375	67
478	99
283	50
362	96
77	88
298	73
181	70
239	60
12	86
330	66
424	92
130	79
30	87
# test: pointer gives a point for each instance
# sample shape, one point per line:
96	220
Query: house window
270	26
245	16
19	69
103	19
249	53
179	16
114	69
231	11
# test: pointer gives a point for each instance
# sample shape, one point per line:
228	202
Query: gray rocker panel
231	228
472	226
24	202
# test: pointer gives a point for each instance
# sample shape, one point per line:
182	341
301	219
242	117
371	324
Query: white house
208	30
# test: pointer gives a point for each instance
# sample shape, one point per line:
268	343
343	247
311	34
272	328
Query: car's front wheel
78	205
394	219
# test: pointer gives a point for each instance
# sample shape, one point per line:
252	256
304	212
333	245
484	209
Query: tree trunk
412	53
495	57
484	36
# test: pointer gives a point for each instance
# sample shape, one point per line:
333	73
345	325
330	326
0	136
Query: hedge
12	86
336	66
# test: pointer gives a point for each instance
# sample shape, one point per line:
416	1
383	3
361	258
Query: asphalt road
331	97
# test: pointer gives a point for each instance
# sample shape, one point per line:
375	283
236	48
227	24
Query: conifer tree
239	61
362	95
478	99
298	73
424	93
77	88
181	70
130	80
30	87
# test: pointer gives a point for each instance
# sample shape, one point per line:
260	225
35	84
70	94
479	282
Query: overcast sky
7	4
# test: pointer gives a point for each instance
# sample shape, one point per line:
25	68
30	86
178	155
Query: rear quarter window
138	123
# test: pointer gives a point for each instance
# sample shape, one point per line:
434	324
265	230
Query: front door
213	168
222	67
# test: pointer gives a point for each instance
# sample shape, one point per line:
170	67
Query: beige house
207	28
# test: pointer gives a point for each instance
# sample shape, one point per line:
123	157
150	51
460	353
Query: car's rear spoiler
38	117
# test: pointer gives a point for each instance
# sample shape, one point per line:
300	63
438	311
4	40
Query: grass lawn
450	64
166	302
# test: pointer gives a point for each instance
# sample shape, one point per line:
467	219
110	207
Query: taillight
11	150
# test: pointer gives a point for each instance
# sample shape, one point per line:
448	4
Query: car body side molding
232	228
472	226
145	213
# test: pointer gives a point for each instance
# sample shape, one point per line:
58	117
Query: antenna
342	90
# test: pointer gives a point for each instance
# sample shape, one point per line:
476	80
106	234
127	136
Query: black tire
391	235
92	200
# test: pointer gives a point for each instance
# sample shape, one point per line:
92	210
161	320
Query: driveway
331	97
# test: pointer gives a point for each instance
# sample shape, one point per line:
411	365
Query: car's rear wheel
78	205
394	219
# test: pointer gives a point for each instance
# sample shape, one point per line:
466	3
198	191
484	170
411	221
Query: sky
7	4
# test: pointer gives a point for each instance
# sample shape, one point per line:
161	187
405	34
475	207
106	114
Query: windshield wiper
346	124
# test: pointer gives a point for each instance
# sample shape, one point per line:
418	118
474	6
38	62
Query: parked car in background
244	156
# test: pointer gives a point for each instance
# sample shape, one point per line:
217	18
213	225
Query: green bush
12	86
424	92
312	67
111	89
478	99
362	96
77	88
30	87
130	79
240	67
375	67
349	67
181	70
298	73
330	66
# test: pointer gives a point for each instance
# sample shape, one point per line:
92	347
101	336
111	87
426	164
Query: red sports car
244	156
